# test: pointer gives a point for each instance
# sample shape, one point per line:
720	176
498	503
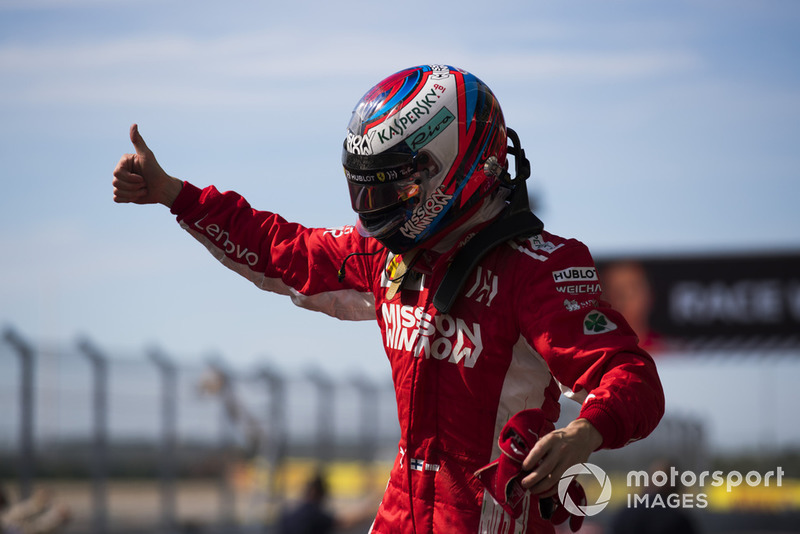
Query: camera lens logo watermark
588	509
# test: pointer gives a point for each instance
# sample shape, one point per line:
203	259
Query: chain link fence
141	442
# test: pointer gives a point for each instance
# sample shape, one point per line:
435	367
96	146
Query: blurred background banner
708	302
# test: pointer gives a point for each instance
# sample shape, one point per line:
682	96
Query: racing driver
483	313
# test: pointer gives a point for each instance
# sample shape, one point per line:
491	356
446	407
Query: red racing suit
528	325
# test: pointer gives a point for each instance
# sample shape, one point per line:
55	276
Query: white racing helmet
423	147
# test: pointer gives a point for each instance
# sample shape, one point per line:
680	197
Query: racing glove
503	477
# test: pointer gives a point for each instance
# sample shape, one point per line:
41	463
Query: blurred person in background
484	315
311	515
627	288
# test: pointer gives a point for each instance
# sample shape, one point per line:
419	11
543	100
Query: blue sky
651	127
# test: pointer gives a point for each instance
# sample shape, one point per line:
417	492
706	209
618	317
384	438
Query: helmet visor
375	198
379	183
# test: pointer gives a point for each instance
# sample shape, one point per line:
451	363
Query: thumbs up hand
138	178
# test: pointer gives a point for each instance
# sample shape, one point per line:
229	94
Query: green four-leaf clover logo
596	322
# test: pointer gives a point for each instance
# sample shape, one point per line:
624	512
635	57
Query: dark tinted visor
374	198
386	180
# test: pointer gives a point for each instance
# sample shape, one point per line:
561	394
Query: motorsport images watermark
648	488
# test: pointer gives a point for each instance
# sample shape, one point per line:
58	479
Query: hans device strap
514	225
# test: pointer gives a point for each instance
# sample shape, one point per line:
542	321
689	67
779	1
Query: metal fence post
368	420
274	436
368	427
276	420
325	414
220	384
26	420
169	422
99	456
